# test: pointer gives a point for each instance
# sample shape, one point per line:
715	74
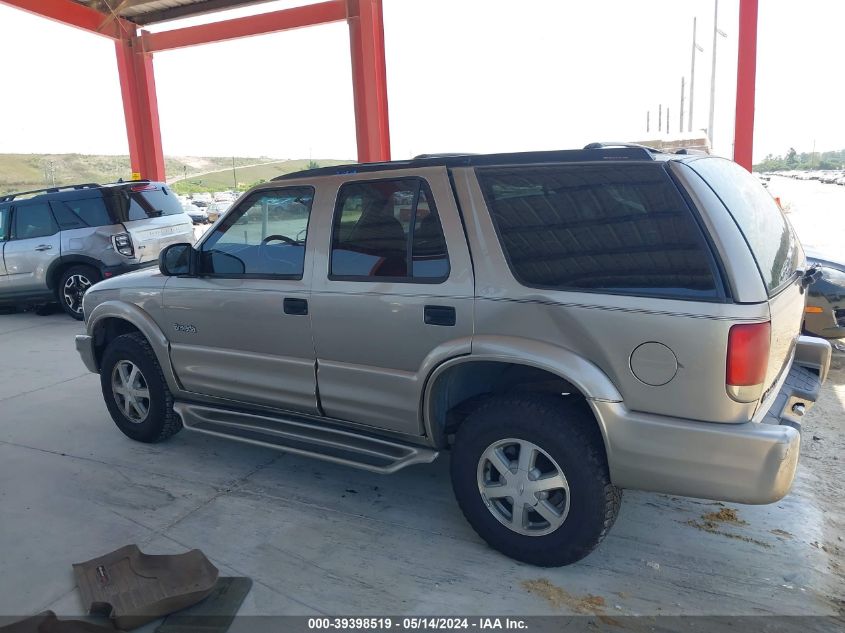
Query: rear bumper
120	269
752	462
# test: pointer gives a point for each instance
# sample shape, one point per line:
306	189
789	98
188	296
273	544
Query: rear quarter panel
606	329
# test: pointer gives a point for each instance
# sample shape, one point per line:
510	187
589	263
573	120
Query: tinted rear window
158	199
767	231
602	228
154	202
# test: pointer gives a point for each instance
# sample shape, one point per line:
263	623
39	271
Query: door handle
295	306
43	247
439	315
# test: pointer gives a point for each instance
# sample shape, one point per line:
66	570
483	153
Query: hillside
246	176
19	172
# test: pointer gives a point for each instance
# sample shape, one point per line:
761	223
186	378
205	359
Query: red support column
369	79
140	107
746	76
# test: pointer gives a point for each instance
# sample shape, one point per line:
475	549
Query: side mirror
176	260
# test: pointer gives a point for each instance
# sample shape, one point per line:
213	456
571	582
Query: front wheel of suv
135	390
73	285
530	474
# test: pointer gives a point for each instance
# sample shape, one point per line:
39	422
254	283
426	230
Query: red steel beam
140	107
369	79
272	22
746	76
77	15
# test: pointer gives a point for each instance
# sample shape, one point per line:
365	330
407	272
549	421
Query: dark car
825	312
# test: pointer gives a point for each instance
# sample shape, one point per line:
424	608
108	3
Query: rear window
159	199
767	231
622	229
153	202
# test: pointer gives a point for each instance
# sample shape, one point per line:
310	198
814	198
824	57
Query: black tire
160	422
568	433
73	284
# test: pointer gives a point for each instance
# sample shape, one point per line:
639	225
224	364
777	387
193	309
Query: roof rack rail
623	152
444	155
605	145
11	196
689	150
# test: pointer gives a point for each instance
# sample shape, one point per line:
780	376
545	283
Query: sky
463	76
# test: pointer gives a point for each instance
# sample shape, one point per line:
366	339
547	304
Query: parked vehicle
57	242
567	324
197	214
216	209
825	312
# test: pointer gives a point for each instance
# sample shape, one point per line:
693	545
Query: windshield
766	230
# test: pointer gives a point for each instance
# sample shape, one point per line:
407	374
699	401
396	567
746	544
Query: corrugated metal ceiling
151	11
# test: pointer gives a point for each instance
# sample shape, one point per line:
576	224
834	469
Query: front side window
388	229
264	236
33	220
614	228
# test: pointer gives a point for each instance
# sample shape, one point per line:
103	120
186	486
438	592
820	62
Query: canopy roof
151	11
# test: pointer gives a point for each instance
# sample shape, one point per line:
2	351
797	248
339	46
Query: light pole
716	33
695	47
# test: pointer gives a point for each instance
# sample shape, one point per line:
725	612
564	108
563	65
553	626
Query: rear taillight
747	360
122	243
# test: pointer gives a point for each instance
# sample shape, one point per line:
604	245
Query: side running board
304	436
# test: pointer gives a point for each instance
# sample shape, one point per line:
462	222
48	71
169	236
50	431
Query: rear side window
767	231
388	229
622	229
74	214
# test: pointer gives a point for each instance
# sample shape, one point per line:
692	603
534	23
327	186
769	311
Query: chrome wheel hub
131	391
523	487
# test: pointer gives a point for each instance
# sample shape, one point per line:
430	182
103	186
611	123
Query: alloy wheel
131	391
74	289
523	487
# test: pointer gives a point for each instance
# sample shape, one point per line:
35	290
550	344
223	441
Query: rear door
392	294
154	218
773	244
34	242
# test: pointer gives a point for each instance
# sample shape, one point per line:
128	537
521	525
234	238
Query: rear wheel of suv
73	285
135	390
530	475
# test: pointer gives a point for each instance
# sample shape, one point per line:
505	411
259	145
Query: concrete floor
319	538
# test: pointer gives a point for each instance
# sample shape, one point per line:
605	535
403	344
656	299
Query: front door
392	296
240	328
34	243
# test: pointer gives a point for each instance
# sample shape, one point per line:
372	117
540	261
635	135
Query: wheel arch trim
138	318
588	378
60	264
